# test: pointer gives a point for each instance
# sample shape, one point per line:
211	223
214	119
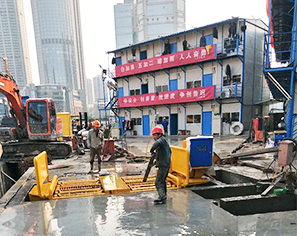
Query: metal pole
185	119
291	102
104	98
291	107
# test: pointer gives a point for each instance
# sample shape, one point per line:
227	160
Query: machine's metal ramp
136	183
78	188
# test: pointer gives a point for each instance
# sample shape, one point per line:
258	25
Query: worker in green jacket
162	151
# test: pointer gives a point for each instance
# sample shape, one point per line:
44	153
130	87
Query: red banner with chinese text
177	96
167	61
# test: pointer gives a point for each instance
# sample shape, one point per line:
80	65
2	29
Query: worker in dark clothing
94	141
162	152
165	125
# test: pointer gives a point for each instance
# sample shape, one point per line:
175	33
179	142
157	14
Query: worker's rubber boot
92	166
99	167
160	201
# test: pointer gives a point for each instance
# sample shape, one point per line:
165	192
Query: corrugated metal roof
176	34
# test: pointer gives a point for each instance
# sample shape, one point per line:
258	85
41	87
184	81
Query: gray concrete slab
185	213
223	145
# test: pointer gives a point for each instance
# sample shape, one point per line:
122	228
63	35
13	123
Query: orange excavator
37	127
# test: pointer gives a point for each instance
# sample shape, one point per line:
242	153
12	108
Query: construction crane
37	127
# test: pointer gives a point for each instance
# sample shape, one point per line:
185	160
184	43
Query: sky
98	25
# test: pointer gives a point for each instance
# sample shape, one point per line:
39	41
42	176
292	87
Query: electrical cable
269	167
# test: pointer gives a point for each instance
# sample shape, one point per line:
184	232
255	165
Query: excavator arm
10	89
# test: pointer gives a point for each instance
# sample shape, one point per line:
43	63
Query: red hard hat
96	123
157	130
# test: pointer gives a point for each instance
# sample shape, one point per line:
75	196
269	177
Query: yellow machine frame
180	175
67	124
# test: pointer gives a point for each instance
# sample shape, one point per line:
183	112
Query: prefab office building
202	80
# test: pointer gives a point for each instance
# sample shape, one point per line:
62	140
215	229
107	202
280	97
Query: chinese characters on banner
167	61
177	96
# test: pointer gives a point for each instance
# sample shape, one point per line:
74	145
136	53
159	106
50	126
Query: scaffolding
280	56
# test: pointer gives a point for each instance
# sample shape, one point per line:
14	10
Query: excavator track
19	150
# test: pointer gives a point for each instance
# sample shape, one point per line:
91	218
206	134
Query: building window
165	88
197	118
194	84
193	119
190	119
226	117
197	84
235	116
138	121
230	117
189	84
134	92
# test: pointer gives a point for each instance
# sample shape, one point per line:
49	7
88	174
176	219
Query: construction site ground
185	213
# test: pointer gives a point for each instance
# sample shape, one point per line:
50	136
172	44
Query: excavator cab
42	119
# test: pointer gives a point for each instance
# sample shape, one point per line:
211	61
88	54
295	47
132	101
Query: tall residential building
98	88
90	91
13	41
124	23
79	46
147	19
59	42
65	99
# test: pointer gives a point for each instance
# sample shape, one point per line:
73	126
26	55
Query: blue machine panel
201	151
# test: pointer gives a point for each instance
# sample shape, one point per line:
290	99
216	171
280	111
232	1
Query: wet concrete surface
185	213
223	145
77	167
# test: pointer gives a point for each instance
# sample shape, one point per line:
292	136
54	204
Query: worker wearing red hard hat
94	141
162	151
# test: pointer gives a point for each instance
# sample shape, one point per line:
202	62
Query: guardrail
279	49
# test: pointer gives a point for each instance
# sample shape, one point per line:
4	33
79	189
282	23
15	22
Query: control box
201	150
285	153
